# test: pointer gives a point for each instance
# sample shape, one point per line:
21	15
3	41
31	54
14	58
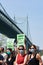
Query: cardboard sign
20	39
10	43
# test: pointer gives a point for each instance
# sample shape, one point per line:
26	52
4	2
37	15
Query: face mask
21	52
8	52
32	50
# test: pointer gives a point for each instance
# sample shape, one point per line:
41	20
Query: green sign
10	43
20	39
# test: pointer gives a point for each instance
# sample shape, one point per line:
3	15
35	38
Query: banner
20	39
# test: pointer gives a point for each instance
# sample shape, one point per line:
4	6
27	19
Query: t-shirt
4	55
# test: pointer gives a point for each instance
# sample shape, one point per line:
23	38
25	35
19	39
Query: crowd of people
20	56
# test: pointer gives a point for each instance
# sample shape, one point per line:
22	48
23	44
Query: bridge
10	29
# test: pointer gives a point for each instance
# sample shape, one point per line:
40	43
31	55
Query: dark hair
2	49
34	46
10	49
21	46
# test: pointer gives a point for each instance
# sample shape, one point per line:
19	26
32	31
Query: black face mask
29	52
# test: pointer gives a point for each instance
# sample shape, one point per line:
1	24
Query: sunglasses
31	48
21	49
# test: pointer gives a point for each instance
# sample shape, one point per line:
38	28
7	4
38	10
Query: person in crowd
10	59
34	58
21	58
8	55
42	58
3	54
1	58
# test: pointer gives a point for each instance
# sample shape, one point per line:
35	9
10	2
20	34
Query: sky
34	10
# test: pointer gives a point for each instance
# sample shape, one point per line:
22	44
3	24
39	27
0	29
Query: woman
11	59
34	58
21	58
